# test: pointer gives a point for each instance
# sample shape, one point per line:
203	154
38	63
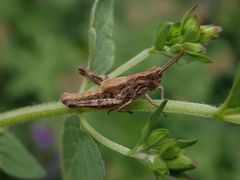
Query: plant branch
97	136
110	144
132	62
56	108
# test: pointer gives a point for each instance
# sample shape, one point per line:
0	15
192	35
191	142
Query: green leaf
187	16
161	35
101	44
185	143
199	57
16	161
174	34
81	157
148	127
233	99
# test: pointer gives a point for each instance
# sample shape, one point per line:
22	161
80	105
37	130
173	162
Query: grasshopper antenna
172	61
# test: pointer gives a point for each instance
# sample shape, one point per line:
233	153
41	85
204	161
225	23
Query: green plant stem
110	144
126	66
56	108
132	62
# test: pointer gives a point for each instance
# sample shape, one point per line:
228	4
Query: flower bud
176	48
181	163
209	32
158	166
195	47
155	138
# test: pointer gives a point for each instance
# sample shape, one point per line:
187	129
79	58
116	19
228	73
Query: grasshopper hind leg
123	110
97	79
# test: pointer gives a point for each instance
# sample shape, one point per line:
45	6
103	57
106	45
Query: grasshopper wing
113	85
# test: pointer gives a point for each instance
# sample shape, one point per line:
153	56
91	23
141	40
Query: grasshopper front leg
97	79
121	108
160	87
149	99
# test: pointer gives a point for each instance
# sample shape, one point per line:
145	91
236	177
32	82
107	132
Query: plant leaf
148	127
199	57
174	34
162	35
16	161
81	157
233	99
181	143
101	45
187	16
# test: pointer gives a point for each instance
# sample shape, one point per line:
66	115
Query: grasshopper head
157	71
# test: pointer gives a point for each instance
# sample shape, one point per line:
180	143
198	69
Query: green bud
181	163
164	145
194	47
209	33
191	30
171	153
158	166
155	138
176	48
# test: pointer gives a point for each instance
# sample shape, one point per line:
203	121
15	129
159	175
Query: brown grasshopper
117	93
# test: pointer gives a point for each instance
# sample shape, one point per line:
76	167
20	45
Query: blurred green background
42	42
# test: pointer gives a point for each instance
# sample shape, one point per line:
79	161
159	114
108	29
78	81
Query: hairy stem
97	136
56	108
132	62
110	144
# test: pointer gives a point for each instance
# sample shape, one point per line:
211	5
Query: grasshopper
117	93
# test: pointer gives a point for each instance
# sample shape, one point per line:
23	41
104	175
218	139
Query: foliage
16	160
101	45
81	158
231	106
166	156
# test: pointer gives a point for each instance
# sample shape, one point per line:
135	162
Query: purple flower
41	135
